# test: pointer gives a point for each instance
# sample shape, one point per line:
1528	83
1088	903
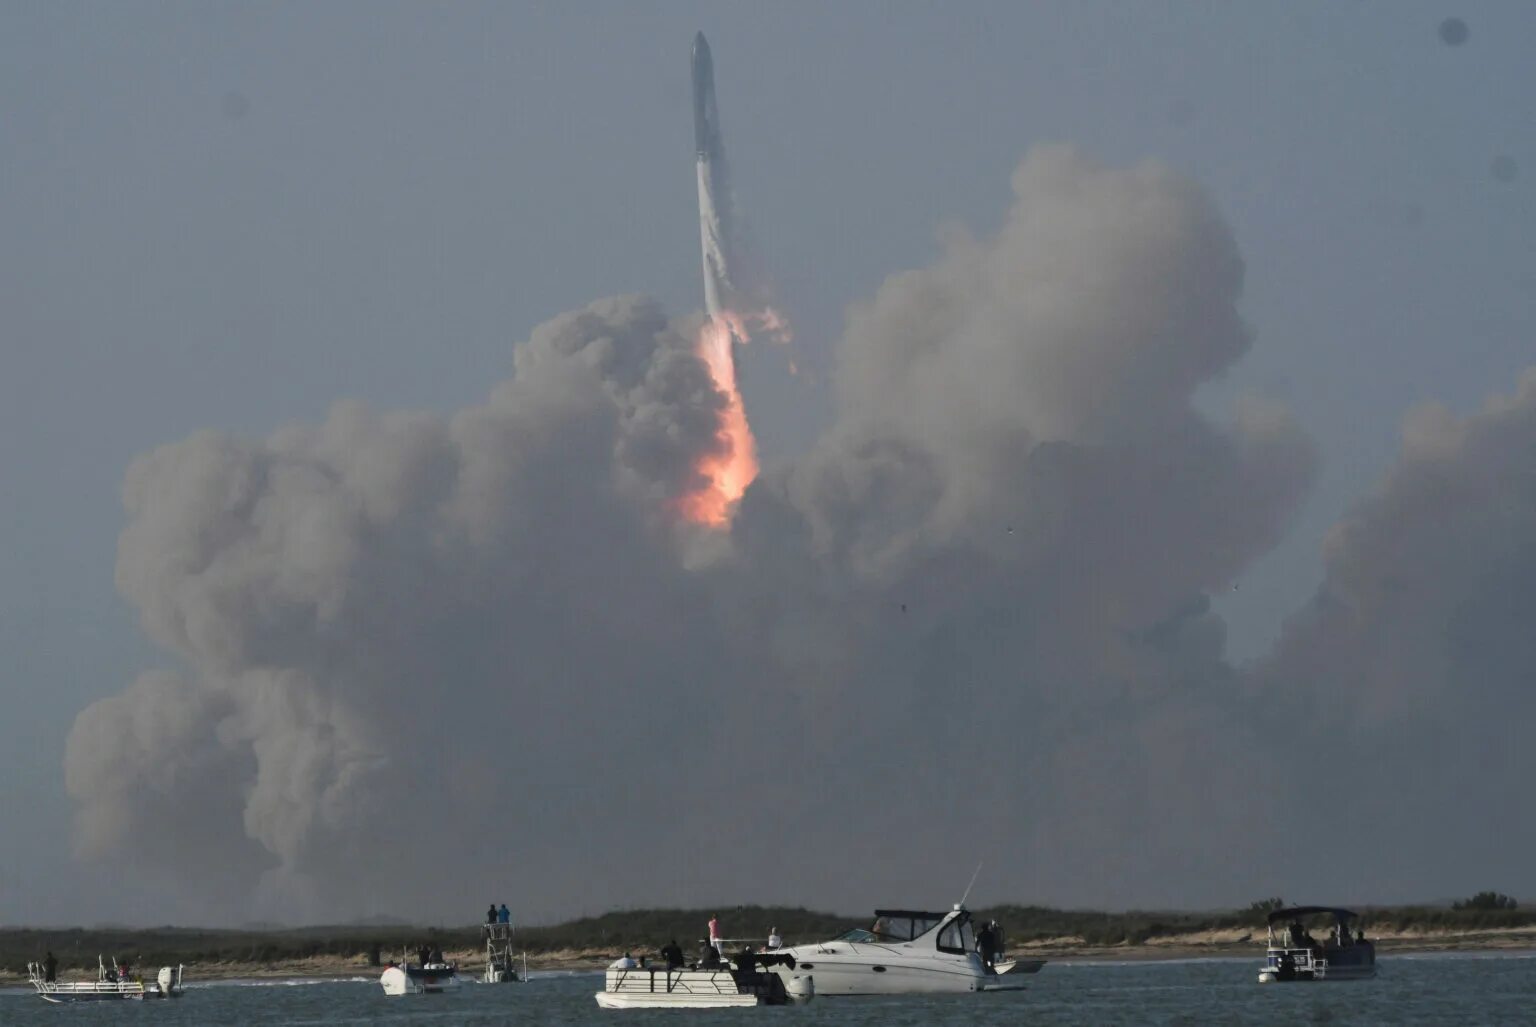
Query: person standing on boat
50	968
986	944
714	936
774	941
505	916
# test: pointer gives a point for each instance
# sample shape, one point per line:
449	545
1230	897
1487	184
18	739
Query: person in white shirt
625	963
774	941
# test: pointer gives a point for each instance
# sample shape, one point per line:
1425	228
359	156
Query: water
1460	989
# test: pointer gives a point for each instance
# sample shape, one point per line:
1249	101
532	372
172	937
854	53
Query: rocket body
714	186
706	119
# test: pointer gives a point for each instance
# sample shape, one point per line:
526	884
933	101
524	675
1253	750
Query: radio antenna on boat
972	884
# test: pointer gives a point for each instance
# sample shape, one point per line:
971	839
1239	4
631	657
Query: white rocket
714	185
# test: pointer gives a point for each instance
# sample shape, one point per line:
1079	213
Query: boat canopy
899	925
1295	912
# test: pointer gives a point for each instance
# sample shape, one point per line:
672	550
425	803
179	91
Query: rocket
714	184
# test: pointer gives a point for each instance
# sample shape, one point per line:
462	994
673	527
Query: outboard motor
800	988
165	978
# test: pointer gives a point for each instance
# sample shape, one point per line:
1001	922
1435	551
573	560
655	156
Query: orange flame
730	467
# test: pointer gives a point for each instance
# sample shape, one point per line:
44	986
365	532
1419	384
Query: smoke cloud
971	622
1411	669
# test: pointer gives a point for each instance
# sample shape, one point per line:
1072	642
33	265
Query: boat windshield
893	928
958	936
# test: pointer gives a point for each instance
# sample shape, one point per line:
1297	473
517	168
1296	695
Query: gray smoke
989	578
973	621
1410	672
409	638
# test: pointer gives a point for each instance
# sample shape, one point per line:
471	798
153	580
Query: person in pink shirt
714	934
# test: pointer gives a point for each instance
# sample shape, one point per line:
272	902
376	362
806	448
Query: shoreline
326	968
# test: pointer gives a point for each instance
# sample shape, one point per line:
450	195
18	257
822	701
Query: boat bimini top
1297	912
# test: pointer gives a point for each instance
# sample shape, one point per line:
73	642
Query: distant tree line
1487	900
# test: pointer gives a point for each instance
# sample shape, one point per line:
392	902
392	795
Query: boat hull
1269	975
398	981
89	993
611	1000
501	975
881	970
1287	965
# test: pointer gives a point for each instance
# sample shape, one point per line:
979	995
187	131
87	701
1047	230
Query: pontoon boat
708	987
1342	954
112	983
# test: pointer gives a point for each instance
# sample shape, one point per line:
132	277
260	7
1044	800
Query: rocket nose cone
700	47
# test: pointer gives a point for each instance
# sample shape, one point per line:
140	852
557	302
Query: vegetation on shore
643	931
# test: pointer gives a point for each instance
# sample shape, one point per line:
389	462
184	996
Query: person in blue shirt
506	914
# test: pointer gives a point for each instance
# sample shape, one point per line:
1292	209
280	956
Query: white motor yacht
905	952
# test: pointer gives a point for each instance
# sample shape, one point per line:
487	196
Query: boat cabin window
903	927
958	936
890	929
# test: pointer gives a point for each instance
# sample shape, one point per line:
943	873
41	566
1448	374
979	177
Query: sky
1140	426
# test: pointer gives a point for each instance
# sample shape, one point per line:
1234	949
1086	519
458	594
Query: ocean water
1430	989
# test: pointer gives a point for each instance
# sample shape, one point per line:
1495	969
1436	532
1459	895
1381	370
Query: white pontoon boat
707	987
905	952
1293	954
111	984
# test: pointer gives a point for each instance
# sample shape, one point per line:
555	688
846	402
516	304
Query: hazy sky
231	216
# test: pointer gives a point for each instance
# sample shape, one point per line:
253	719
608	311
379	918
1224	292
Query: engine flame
732	465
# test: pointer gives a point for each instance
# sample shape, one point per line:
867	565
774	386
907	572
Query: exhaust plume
726	471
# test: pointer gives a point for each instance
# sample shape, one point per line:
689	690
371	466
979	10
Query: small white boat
405	978
646	987
1018	966
907	952
111	984
1294	955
